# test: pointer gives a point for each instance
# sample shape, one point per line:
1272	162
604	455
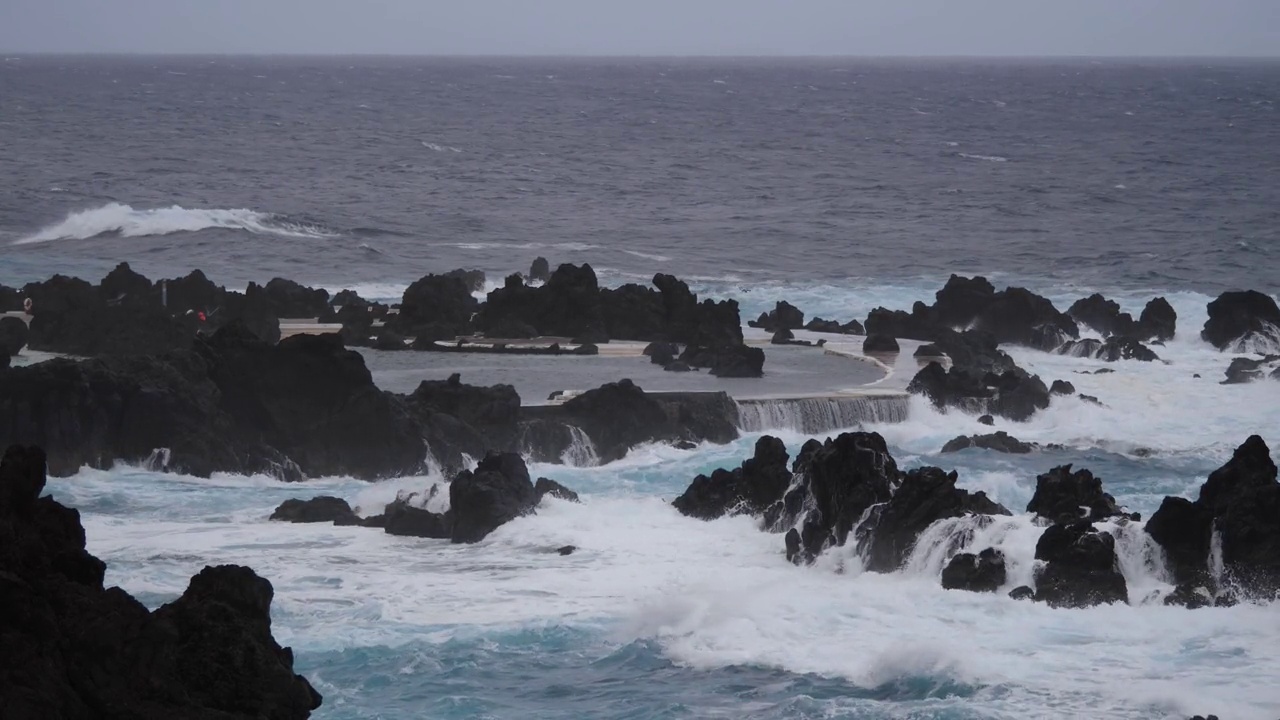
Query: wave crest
125	221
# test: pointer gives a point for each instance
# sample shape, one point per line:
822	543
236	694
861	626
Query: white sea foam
440	148
648	256
712	594
988	158
124	220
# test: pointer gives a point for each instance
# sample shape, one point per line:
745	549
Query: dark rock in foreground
1241	502
1081	568
984	572
307	406
1000	441
1240	319
13	336
70	648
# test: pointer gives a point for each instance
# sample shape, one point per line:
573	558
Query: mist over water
837	185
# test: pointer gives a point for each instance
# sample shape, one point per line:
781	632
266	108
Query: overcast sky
646	27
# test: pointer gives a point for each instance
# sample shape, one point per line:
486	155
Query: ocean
839	185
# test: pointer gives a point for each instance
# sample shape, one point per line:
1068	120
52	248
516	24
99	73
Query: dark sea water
1149	174
838	184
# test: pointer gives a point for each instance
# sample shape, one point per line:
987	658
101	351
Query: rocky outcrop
1103	315
1240	502
924	496
540	270
457	419
1063	496
833	487
784	316
727	361
1013	315
1062	387
322	509
497	491
750	489
236	404
1012	394
572	304
1081	568
853	327
984	572
481	500
70	648
1158	322
619	416
73	317
315	402
999	441
876	343
435	307
1243	321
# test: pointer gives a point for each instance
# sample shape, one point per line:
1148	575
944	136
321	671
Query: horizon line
11	54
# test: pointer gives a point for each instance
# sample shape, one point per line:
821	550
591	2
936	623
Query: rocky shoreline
188	376
848	491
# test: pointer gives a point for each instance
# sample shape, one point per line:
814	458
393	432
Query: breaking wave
126	221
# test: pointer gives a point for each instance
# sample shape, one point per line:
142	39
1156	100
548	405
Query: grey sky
646	27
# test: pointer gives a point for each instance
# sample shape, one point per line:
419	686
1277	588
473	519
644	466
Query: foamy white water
124	220
711	595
